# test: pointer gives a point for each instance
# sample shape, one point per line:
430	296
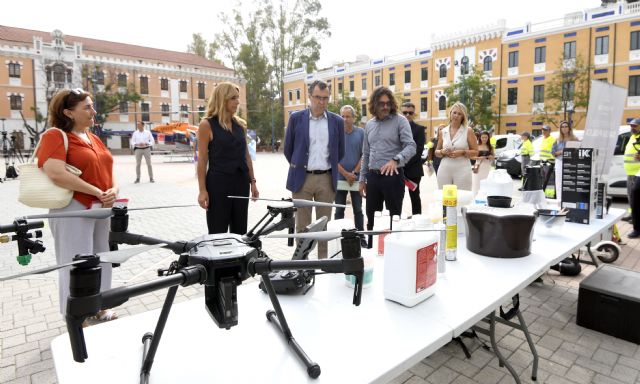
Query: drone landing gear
276	317
150	340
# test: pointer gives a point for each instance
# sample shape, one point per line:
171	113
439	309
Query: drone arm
177	247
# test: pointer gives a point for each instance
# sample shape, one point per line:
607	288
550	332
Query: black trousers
224	214
635	198
384	189
416	203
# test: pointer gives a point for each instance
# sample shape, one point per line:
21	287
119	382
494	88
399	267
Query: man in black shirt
413	169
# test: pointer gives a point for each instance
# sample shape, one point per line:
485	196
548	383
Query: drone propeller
327	236
116	257
298	203
97	213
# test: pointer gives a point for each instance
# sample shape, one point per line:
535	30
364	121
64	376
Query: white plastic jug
499	183
410	267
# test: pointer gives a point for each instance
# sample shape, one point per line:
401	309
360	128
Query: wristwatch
397	160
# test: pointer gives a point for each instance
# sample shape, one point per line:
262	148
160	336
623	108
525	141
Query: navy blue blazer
296	147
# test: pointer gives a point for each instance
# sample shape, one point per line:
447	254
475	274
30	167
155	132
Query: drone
220	262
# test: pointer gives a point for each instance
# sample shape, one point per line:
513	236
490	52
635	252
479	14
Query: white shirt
144	138
318	143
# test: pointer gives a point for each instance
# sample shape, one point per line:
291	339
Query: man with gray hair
349	168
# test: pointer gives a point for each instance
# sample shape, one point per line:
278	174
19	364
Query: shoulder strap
64	139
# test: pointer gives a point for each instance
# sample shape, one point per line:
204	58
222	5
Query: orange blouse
95	160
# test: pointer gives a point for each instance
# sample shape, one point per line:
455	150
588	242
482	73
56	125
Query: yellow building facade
520	61
174	86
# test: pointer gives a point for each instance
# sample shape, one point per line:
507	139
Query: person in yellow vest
546	154
632	166
526	150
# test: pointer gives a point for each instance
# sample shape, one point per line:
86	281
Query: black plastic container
499	201
609	302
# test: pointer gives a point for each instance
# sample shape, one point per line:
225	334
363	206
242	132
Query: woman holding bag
71	111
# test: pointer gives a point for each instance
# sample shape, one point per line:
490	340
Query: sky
374	28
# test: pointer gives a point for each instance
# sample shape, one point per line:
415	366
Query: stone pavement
30	319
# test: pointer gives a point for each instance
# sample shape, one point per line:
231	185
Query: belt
319	172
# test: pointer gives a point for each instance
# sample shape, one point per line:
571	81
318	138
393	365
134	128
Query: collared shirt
144	138
318	143
384	140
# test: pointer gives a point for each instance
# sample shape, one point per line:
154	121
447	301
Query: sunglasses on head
77	91
407	113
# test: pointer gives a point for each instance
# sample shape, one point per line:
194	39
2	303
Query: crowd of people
329	158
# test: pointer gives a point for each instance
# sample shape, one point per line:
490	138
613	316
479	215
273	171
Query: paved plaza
30	318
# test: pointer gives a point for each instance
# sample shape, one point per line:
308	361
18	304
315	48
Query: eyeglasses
77	91
407	113
384	103
323	99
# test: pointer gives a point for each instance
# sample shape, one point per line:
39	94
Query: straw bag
36	188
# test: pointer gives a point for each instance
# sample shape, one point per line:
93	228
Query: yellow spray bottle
450	202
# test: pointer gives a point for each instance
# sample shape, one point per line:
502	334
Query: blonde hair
463	110
570	136
217	105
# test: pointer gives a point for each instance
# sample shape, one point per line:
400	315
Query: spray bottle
450	202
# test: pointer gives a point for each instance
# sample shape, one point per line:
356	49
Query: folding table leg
494	345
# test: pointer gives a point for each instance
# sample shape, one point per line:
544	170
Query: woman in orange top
72	111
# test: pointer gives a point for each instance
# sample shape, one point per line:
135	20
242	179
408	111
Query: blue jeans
356	203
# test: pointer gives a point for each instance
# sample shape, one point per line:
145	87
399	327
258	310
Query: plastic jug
410	267
499	183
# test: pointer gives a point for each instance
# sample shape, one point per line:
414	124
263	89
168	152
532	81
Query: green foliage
567	91
199	46
476	92
345	100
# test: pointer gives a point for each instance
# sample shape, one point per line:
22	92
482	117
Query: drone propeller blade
164	206
122	255
98	213
298	203
320	236
41	270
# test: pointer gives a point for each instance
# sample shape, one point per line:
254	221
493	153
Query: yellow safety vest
493	141
527	148
631	165
546	148
429	145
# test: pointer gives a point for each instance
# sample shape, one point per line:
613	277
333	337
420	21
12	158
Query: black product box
578	184
609	302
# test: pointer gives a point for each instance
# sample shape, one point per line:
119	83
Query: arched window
487	64
464	65
442	103
443	71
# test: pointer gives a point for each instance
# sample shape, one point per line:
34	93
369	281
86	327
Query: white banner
606	104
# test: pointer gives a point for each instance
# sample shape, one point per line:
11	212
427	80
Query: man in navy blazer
313	146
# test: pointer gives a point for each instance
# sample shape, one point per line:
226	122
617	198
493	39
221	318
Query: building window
540	55
201	91
144	108
16	102
424	74
123	107
568	90
602	45
122	80
442	103
352	86
512	96
635	40
376	81
340	88
443	71
201	112
487	64
513	59
14	70
538	93
183	85
99	77
392	79
464	65
364	84
164	84
290	96
144	85
165	109
634	86
569	50
59	75
297	94
364	109
424	102
407	77
184	111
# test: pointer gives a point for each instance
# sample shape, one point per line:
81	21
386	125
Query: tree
200	47
345	100
476	92
565	93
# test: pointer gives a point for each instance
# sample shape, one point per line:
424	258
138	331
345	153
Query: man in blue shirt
349	169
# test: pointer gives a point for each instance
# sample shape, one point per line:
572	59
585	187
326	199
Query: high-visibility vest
631	165
429	145
546	148
527	148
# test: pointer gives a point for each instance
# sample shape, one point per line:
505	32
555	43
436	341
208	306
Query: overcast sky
369	27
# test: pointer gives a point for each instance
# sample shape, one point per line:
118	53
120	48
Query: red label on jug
426	267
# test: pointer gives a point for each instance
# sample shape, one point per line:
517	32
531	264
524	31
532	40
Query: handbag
36	188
